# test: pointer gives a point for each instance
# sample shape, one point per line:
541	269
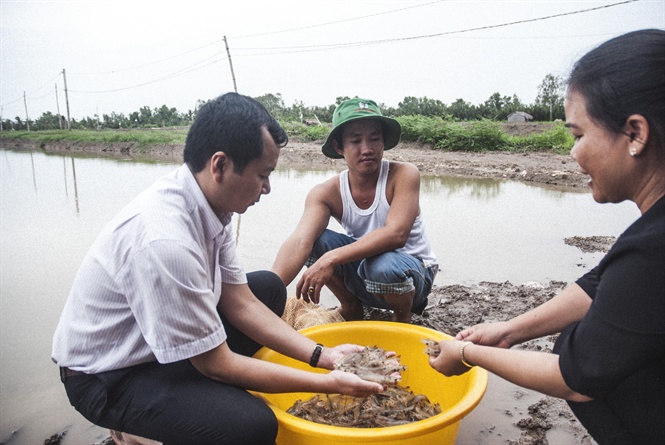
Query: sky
118	56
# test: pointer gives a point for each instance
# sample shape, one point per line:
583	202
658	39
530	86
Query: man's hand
351	385
312	281
329	356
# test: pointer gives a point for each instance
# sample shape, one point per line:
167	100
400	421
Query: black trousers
174	403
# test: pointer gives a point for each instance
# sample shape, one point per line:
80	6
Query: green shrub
297	130
487	135
443	134
558	139
426	129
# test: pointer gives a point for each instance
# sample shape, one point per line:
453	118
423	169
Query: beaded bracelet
316	355
461	353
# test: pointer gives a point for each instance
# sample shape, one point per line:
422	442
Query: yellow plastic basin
457	396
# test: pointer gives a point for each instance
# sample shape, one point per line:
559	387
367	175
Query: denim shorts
392	272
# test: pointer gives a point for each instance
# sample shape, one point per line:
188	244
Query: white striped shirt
148	287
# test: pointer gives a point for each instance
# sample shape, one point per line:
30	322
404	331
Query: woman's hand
449	360
488	334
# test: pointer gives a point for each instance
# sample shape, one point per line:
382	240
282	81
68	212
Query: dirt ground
453	307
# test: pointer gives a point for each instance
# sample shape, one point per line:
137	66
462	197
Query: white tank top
359	222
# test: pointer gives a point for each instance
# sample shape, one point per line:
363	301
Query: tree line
548	106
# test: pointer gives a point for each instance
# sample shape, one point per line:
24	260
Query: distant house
519	116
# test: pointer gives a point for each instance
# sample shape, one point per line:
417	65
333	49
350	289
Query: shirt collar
215	222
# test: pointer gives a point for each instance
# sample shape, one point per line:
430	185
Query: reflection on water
479	189
52	208
76	190
484	229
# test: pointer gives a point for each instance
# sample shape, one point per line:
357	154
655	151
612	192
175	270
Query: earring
633	151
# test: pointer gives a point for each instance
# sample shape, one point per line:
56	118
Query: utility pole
235	88
69	122
57	105
27	119
226	43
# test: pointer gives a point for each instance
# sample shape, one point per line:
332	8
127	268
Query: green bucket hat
354	109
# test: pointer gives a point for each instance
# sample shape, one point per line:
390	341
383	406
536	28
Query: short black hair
625	76
231	123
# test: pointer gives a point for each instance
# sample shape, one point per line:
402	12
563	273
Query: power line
45	85
310	48
518	37
12	101
150	63
260	34
42	96
427	36
340	21
187	70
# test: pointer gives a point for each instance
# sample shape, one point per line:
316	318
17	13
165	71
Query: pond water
53	206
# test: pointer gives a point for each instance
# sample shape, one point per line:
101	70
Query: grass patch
558	139
480	136
474	136
144	138
302	132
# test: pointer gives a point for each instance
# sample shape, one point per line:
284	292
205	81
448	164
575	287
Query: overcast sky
121	55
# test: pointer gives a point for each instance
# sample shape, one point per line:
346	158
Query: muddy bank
545	168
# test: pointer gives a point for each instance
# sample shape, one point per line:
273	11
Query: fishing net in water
300	314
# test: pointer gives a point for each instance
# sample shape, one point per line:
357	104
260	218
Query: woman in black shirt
609	361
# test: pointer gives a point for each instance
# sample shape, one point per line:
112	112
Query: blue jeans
391	272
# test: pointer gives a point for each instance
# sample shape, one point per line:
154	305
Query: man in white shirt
157	335
385	259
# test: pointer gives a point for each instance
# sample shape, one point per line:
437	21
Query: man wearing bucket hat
385	259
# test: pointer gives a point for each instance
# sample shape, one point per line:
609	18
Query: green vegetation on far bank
477	136
142	137
484	135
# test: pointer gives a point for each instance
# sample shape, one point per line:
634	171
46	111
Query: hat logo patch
362	106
